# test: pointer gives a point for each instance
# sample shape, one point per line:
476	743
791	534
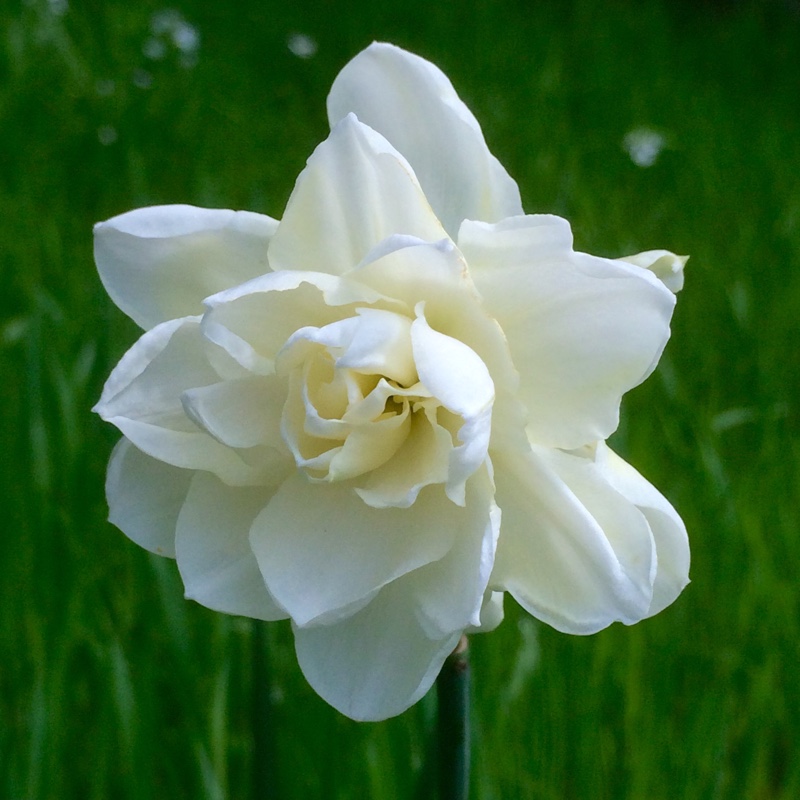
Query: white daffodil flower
379	414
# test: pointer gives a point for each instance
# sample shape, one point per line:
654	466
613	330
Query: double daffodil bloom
380	414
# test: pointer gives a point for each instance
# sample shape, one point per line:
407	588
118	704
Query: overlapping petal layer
145	496
582	330
382	658
413	104
216	562
355	192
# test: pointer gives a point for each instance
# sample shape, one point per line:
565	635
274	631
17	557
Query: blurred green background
647	124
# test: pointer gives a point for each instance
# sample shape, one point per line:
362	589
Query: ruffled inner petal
253	322
422	460
460	381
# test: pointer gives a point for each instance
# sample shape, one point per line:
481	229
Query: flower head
379	414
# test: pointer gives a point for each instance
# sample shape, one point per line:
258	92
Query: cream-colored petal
324	553
379	343
158	263
369	446
423	459
145	497
582	330
356	191
412	271
413	104
573	551
216	563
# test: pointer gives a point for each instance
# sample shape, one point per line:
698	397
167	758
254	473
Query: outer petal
669	532
582	330
356	191
159	263
216	563
142	397
324	553
573	551
145	497
382	659
666	266
413	104
376	663
450	592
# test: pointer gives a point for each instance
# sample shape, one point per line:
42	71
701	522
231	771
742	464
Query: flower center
353	391
388	402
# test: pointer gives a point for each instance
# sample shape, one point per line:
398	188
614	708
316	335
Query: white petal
460	381
142	397
669	532
573	552
491	614
240	413
252	322
666	266
413	104
145	497
582	330
410	270
375	664
324	553
380	344
450	592
356	191
216	563
159	263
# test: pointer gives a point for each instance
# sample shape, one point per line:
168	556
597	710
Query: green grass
111	685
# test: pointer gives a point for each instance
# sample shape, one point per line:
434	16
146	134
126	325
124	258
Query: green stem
264	784
452	690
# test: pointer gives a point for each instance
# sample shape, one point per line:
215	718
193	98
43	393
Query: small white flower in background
644	146
302	45
379	414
